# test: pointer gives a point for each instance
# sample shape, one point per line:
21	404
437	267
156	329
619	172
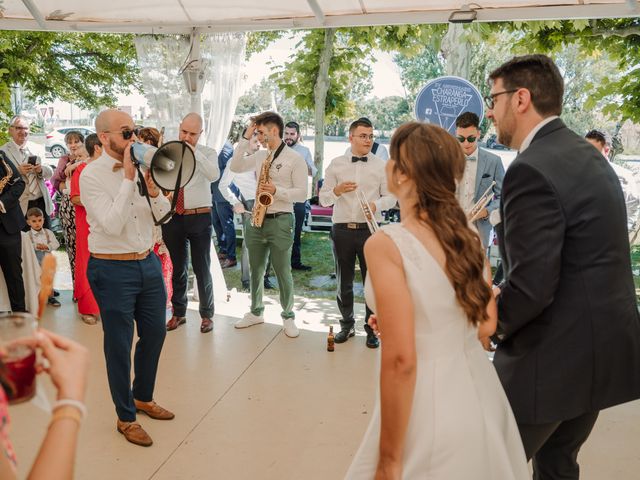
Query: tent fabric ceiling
181	16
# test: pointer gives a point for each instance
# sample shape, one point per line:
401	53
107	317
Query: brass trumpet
482	202
368	214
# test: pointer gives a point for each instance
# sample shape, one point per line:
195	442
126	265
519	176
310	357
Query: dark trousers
299	212
11	263
39	202
554	447
128	292
194	231
225	217
348	245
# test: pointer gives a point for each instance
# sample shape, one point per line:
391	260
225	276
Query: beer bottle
330	340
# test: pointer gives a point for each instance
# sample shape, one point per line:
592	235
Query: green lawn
317	283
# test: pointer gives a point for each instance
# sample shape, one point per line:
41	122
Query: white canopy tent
211	16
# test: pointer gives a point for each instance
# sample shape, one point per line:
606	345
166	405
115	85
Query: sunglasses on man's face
127	133
470	138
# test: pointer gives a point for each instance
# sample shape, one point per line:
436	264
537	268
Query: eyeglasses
126	133
489	100
364	136
470	138
24	129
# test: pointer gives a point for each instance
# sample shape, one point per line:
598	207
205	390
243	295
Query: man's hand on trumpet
481	215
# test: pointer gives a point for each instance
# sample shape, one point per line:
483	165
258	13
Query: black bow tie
358	159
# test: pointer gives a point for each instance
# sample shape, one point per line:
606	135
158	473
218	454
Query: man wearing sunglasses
481	169
124	274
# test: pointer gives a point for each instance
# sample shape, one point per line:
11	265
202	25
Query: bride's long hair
433	159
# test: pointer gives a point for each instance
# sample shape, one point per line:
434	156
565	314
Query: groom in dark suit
11	223
568	328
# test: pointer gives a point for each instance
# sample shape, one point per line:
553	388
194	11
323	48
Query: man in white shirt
124	273
365	172
292	139
27	157
481	169
287	184
191	225
602	142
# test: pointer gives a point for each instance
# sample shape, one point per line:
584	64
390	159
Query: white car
54	143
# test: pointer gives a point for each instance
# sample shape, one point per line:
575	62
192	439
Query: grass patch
317	283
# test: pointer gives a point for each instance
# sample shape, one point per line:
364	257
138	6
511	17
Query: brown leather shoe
134	433
228	263
206	325
153	410
175	322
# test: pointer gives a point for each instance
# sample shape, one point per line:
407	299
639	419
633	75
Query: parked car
54	143
492	142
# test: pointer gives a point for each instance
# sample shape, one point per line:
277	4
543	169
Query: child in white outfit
43	239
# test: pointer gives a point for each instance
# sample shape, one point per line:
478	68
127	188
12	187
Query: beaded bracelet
71	403
62	412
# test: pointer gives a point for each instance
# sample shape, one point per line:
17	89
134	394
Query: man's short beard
290	141
114	147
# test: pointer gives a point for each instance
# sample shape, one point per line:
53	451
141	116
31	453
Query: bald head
112	119
190	129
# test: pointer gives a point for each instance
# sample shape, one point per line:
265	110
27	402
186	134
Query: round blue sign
443	99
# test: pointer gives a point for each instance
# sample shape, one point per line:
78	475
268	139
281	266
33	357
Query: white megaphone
166	163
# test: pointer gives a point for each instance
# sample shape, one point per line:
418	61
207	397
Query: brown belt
195	211
122	256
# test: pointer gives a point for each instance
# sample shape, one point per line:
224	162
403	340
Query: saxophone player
282	181
346	176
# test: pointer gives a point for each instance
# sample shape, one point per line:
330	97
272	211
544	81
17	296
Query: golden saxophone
264	199
7	177
482	202
368	214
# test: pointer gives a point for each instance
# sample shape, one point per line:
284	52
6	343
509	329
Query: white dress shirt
370	178
306	155
45	237
119	217
467	187
246	183
288	173
381	152
197	193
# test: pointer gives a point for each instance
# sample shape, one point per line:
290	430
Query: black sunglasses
126	133
470	138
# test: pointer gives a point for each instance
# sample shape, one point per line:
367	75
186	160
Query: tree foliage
86	69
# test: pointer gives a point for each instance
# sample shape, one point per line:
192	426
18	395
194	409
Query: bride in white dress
441	412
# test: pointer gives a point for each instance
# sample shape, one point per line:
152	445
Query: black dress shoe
299	266
344	334
268	284
175	322
53	302
245	286
56	293
373	341
206	325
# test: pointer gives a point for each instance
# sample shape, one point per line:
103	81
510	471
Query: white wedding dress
461	425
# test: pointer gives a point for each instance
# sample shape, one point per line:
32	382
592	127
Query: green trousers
274	239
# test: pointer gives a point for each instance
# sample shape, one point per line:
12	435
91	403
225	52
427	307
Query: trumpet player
282	181
481	169
365	172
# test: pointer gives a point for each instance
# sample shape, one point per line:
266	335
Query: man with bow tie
362	171
481	169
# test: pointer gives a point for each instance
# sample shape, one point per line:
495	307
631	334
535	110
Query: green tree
86	69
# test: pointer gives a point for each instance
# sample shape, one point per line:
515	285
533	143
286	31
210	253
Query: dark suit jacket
223	158
13	220
567	312
489	169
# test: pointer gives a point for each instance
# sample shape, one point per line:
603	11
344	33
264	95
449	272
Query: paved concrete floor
254	404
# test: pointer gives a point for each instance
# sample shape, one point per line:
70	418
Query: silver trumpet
368	214
482	202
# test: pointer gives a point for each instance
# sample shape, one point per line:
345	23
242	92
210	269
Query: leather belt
122	256
352	226
277	214
195	211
